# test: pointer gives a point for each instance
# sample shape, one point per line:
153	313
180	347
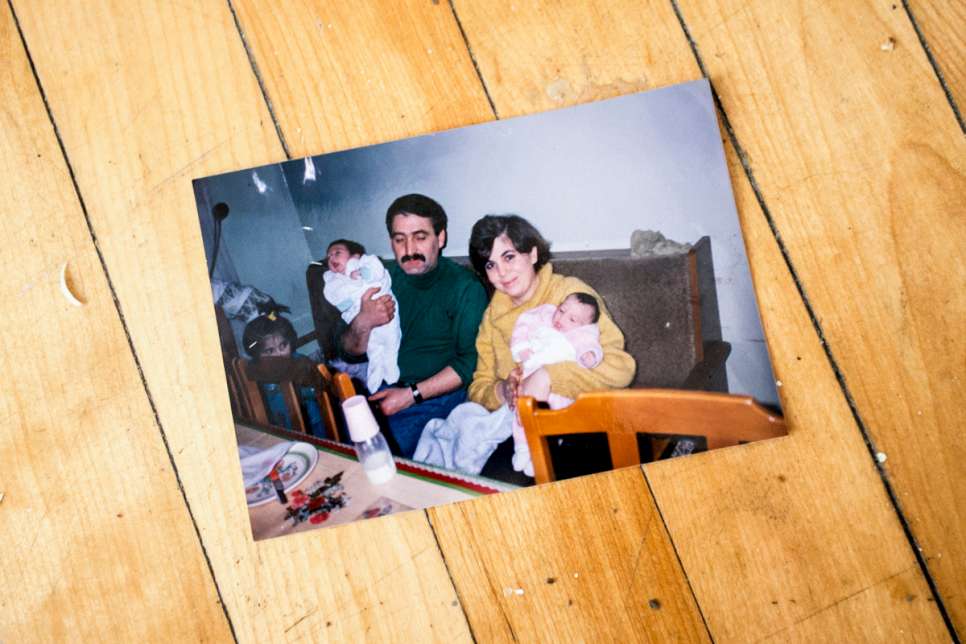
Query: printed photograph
483	309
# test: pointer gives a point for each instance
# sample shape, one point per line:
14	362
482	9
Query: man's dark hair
416	204
354	248
589	300
264	326
521	233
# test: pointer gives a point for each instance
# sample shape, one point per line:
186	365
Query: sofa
666	306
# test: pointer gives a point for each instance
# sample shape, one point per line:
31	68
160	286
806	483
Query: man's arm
395	399
442	382
467	318
372	313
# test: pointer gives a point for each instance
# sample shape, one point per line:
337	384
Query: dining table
338	474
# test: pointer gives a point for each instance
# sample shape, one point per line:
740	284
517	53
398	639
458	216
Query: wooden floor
121	510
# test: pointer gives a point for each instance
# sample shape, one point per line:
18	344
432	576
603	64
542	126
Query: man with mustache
440	308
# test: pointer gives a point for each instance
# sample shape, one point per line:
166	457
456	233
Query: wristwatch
417	397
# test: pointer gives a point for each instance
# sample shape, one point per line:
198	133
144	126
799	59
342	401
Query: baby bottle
370	444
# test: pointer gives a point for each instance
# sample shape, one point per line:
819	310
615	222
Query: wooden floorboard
858	163
581	560
535	57
148	96
859	156
773	535
942	27
93	523
341	76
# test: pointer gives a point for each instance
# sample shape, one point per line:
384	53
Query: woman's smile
511	271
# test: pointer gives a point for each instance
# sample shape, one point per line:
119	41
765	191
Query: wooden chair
722	419
339	384
229	351
290	375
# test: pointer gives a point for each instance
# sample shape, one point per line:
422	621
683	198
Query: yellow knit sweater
568	379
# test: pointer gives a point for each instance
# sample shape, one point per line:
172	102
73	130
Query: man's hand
393	399
375	312
372	313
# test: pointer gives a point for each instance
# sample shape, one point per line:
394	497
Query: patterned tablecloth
415	486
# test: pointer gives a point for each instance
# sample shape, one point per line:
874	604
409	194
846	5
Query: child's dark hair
589	300
416	204
354	248
265	326
522	234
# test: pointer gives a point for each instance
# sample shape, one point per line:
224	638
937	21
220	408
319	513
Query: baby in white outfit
351	273
549	334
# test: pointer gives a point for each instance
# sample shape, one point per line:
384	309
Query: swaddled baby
549	334
351	273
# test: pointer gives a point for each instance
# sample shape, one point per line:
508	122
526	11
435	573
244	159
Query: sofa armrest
703	374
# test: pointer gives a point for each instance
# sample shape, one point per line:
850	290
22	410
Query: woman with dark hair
514	259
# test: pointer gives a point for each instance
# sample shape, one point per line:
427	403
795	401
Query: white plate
298	462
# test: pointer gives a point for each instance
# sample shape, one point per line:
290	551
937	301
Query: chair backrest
722	419
290	374
229	351
340	383
325	316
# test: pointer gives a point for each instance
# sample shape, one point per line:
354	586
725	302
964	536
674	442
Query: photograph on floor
486	308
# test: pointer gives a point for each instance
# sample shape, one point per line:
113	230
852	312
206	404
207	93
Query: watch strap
417	397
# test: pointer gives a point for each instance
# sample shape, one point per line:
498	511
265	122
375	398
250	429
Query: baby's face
275	346
338	256
571	314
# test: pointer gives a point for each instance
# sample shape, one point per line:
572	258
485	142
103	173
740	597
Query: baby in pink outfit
549	334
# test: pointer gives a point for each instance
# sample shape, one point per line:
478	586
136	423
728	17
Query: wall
262	239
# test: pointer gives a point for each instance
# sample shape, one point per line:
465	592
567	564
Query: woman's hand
508	389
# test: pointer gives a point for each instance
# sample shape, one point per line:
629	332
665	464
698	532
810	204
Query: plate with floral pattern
299	460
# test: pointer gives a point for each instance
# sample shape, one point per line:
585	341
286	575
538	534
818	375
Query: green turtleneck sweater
439	315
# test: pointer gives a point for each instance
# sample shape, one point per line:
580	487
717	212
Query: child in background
351	273
269	335
549	334
272	336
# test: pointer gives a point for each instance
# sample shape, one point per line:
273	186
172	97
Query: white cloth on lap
345	293
465	439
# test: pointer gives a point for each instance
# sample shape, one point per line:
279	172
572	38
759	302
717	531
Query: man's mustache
409	258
